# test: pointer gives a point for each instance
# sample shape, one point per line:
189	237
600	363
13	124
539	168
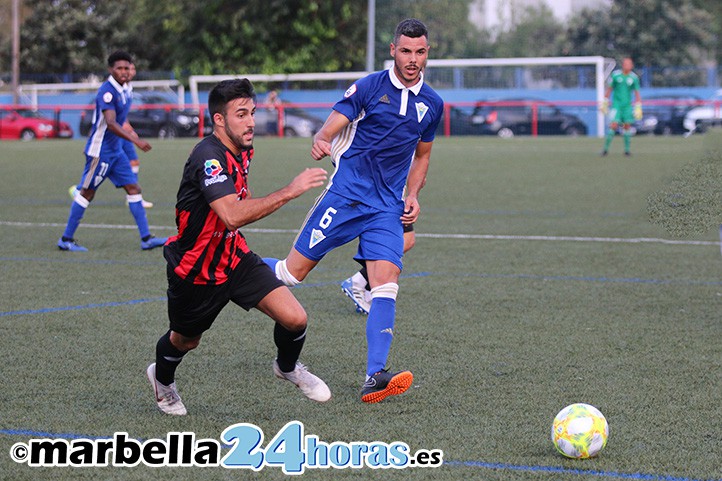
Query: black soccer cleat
384	384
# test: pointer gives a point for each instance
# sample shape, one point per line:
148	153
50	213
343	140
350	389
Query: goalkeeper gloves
638	111
604	106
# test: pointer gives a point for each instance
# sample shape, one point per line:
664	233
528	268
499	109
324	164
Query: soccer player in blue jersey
379	136
106	159
127	145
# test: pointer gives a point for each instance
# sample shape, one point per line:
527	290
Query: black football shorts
193	308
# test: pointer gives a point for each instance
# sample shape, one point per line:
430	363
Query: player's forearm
248	210
118	129
334	124
417	176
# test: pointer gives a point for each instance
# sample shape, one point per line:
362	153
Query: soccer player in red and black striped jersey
209	262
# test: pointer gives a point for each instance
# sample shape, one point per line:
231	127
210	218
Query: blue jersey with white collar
111	96
373	153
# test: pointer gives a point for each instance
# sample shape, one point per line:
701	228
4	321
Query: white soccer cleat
310	385
355	288
166	396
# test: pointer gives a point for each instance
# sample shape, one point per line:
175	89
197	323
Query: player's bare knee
88	194
295	320
132	189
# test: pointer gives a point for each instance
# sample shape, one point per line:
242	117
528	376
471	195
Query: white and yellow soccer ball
580	431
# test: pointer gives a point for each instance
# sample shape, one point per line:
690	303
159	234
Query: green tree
66	36
221	36
653	32
714	7
451	35
536	33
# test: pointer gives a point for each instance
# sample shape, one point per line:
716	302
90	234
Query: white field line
616	240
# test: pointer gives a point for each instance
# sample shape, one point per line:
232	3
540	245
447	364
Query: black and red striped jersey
205	251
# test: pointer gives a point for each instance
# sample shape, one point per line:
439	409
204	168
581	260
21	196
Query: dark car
510	117
155	115
297	122
666	117
29	125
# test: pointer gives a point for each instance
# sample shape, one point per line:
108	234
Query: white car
704	114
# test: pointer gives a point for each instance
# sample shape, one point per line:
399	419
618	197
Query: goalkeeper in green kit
622	83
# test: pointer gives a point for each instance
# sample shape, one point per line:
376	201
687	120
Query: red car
28	125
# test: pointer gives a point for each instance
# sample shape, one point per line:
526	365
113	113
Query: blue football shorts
335	220
114	167
129	149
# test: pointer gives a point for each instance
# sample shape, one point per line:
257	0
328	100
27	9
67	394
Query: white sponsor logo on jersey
216	179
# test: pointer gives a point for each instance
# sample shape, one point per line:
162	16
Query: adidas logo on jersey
385	99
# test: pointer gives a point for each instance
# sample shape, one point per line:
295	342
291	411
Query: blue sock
138	211
76	214
271	262
379	333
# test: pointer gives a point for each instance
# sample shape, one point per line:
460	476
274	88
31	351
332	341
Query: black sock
289	346
167	358
365	273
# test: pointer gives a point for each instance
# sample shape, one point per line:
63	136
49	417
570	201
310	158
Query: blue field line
154	299
580	472
76	260
338	283
623	280
77	308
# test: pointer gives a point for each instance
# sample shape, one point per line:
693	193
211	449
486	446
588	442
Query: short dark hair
411	28
228	90
119	55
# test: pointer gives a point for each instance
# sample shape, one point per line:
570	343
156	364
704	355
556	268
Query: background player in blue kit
379	136
105	157
127	145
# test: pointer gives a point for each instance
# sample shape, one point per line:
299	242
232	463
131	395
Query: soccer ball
580	431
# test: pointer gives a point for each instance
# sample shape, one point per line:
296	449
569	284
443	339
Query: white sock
284	275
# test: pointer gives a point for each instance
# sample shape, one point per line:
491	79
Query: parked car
667	118
509	120
28	125
154	115
297	122
703	116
